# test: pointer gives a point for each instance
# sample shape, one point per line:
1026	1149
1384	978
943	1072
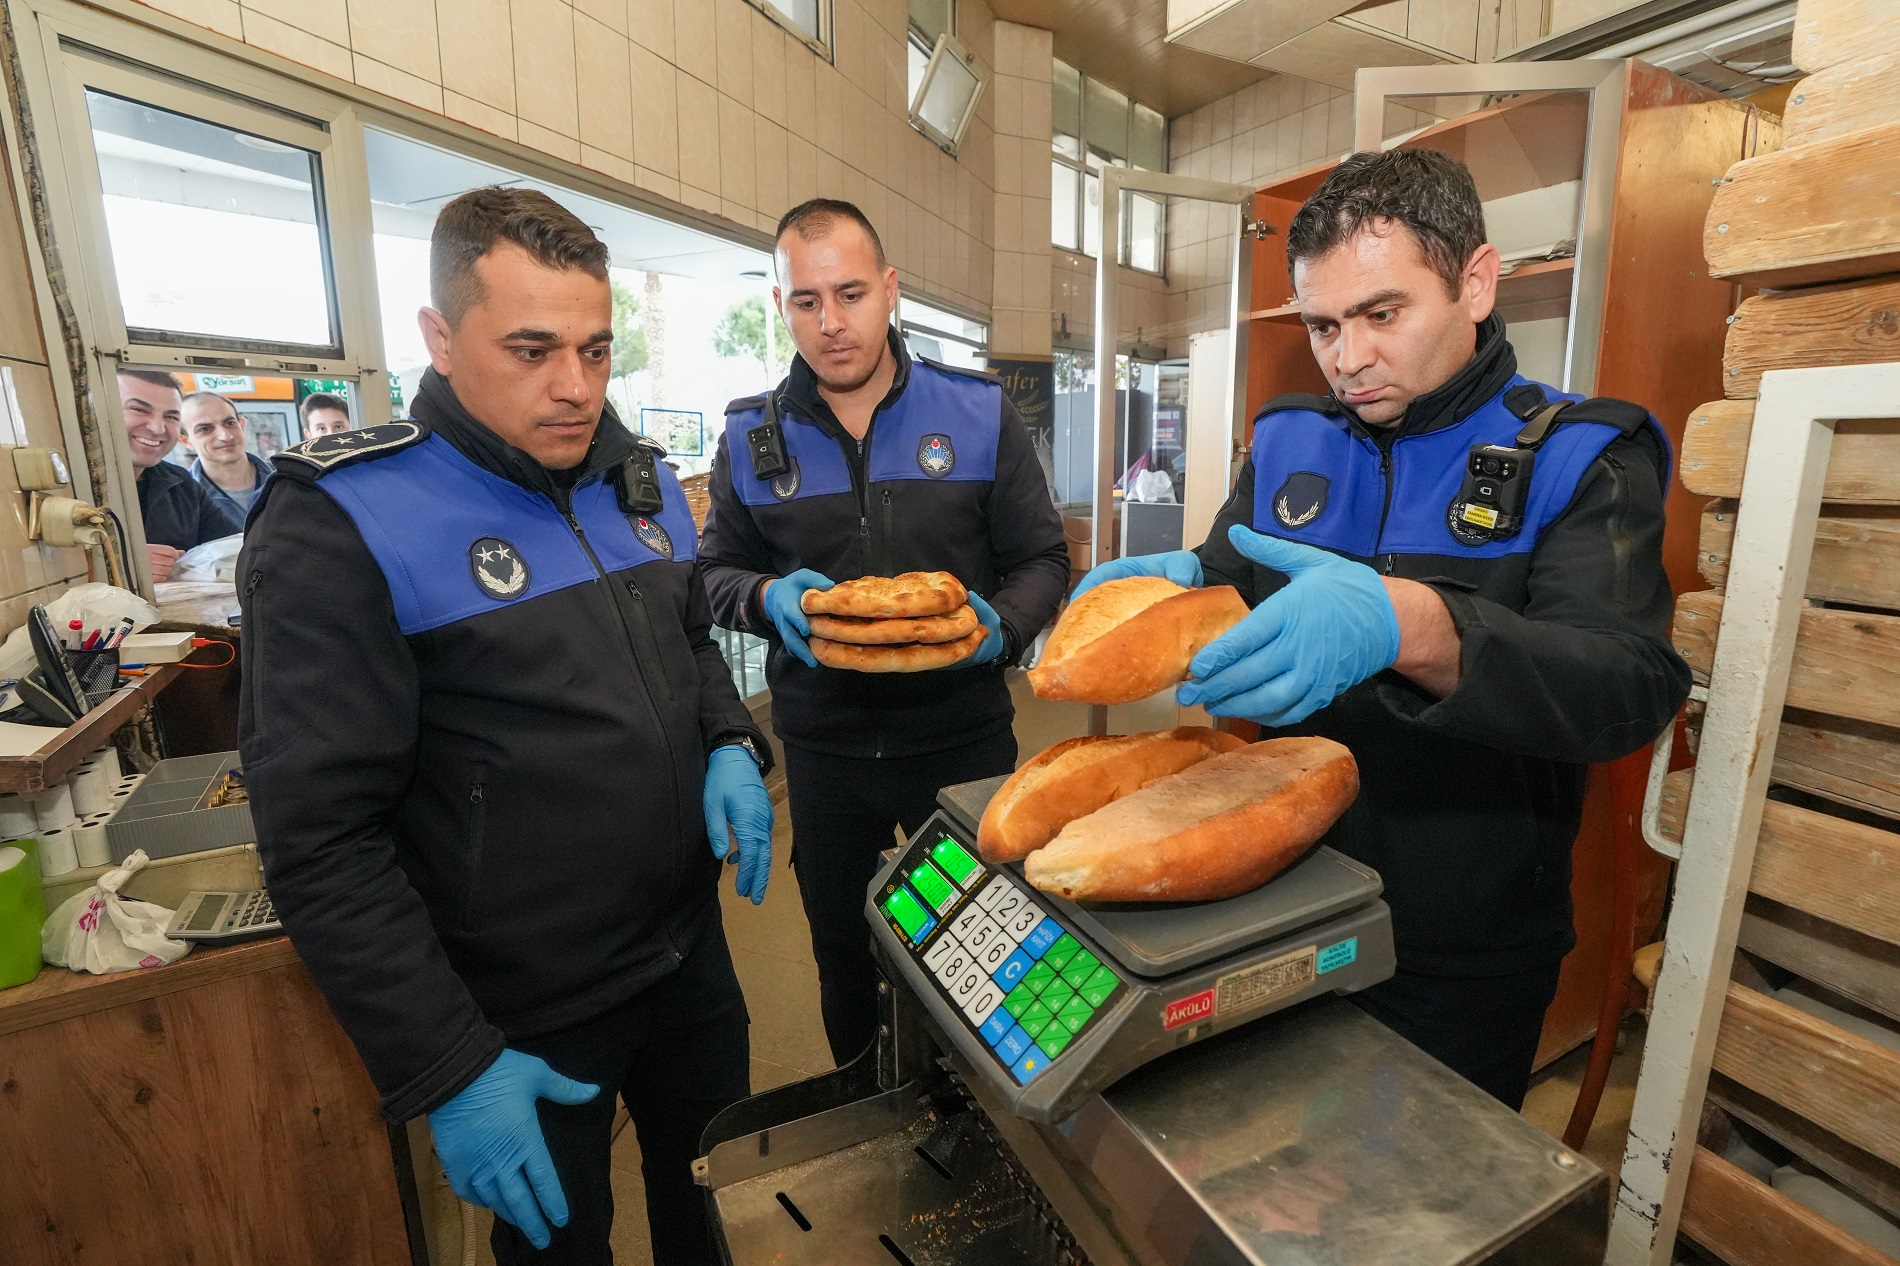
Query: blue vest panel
1318	482
945	426
423	509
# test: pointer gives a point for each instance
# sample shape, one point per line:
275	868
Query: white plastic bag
212	561
99	931
95	606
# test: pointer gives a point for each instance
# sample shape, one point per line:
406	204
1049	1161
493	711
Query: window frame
822	43
1087	167
948	46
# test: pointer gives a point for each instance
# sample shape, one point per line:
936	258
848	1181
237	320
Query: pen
122	632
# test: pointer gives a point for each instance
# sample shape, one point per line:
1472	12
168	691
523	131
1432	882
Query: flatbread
913	594
925	628
913	657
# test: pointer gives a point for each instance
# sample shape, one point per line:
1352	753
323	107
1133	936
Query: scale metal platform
1050	1001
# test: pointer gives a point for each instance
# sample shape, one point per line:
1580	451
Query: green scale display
1051	1001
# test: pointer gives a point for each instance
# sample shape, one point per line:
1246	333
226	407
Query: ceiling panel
1120	42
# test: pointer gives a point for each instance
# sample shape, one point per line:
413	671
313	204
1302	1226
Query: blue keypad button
1030	1066
997	1027
1037	943
1014	1044
1013	969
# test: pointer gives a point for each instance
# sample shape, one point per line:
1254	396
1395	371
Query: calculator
223	917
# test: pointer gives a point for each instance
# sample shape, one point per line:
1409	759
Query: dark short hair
157	377
816	217
469	226
321	400
210	395
1429	192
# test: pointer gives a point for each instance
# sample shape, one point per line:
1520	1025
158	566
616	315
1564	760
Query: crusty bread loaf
1126	639
1078	776
923	628
913	657
912	594
1217	829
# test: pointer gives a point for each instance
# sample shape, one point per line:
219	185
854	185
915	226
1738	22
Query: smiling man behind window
177	512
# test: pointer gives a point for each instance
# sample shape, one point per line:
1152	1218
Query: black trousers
677	1054
1485	1029
843	813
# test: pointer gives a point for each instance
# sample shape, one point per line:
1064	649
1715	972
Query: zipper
472	847
1619	533
1385	511
889	533
254	664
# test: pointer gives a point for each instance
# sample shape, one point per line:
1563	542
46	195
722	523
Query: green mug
22	911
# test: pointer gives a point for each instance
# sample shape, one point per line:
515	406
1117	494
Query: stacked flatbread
893	624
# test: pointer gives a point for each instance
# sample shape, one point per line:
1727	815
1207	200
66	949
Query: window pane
932	18
949	96
802	14
911	312
1064	193
213	231
1092	214
1144	232
1105	119
1068	110
1148	149
919	57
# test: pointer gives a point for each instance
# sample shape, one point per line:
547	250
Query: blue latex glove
993	644
1329	629
782	598
1182	566
735	797
489	1140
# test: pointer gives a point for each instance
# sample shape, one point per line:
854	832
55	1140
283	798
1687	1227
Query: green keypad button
1057	995
1065	948
1080	968
1054	1039
1037	978
1096	988
1018	1000
1035	1018
1075	1013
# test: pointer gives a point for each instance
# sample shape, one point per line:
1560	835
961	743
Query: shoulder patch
332	452
1300	400
648	442
1621	414
746	404
982	375
1524	400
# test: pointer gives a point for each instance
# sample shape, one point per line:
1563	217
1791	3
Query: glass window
944	104
1144	217
931	18
807	17
1105	122
214	232
1064	206
1091	214
1068	111
941	335
1148	149
918	56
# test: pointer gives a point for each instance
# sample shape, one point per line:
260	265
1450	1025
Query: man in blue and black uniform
1457	573
494	754
866	461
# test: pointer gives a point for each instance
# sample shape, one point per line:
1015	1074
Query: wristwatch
751	749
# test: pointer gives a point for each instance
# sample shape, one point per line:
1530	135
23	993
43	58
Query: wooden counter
210	1111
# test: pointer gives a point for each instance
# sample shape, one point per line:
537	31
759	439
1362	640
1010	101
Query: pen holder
98	672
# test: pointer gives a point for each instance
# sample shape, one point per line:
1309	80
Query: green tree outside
742	332
630	336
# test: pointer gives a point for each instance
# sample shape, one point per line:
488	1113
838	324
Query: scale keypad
1020	980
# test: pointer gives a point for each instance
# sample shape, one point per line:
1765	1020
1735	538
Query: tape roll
91	789
53	807
89	840
107	759
57	854
17	819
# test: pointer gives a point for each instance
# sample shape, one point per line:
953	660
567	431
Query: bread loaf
915	593
913	657
1126	639
1078	776
923	628
1217	829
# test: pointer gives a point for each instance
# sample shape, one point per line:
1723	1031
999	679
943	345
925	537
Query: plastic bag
99	931
95	606
212	561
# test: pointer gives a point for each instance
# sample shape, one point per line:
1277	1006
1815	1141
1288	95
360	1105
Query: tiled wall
1023	102
706	102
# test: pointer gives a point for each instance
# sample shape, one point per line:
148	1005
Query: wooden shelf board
1532	288
60	993
65	748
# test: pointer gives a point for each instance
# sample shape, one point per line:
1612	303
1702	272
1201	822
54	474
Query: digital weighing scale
1292	1130
1052	1001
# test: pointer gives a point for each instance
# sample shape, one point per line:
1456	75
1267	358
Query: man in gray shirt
228	471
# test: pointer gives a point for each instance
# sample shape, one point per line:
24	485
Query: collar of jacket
437	408
799	392
263	469
1488	372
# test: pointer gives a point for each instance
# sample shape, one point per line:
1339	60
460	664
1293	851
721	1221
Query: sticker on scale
1254	987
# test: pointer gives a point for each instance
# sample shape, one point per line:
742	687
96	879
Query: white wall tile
544	66
222	16
548	141
696	40
656	127
605	78
732	32
479	114
611	14
698	134
478	51
738	157
650	23
399	84
327	19
298	45
400	34
770	144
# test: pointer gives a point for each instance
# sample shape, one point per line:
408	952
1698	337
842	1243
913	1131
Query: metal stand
1788	451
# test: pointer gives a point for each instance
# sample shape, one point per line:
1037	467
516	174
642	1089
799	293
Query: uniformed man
1457	573
493	752
884	463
